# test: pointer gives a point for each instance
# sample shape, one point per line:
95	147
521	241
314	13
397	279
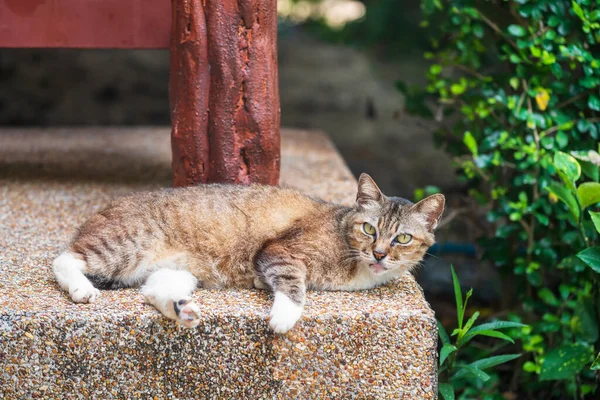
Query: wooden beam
85	23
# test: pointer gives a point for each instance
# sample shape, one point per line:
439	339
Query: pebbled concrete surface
373	344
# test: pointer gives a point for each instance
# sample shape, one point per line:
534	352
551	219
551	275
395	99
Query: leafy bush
454	372
517	86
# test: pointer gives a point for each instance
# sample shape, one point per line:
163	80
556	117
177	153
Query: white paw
84	292
188	313
284	314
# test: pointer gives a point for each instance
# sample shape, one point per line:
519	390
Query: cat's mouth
377	268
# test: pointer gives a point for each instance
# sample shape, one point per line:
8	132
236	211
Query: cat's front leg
286	311
286	277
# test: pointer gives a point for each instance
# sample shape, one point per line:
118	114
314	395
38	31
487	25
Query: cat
233	236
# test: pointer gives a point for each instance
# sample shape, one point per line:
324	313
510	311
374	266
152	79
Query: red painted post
244	98
189	86
242	124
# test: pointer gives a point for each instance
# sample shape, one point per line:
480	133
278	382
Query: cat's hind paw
188	312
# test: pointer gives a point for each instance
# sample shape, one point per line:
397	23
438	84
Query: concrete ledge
373	344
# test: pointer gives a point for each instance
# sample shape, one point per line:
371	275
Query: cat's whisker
433	255
348	260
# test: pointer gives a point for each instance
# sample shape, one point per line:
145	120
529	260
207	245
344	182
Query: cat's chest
364	279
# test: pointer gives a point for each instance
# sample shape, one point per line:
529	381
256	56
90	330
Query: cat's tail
69	269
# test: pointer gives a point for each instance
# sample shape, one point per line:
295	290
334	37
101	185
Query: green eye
369	229
403	238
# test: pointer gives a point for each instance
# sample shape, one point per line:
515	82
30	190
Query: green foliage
596	364
517	86
566	361
455	373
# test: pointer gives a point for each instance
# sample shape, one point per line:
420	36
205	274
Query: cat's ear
368	192
431	209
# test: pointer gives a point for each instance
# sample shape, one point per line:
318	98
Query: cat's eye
404	238
369	229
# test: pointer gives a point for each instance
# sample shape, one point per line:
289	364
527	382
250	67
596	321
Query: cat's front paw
85	292
284	314
188	312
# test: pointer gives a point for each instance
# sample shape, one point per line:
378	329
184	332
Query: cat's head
391	234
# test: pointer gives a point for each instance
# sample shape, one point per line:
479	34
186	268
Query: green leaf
467	297
491	333
589	193
457	89
470	369
589	82
583	155
447	391
565	291
471	143
471	12
587	388
535	51
514	83
550	34
542	219
562	139
490	362
435	69
548	297
578	11
584	321
591	256
565	362
596	220
566	197
590	170
442	332
547	142
565	126
530	367
458	294
495	325
596	364
569	183
446	350
568	165
548	58
470	322
594	102
536	119
516	30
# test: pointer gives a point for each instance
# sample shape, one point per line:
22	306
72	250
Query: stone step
379	343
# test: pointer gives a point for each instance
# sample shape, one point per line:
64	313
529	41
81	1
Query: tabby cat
224	236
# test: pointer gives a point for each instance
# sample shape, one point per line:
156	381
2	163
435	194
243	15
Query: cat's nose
378	255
